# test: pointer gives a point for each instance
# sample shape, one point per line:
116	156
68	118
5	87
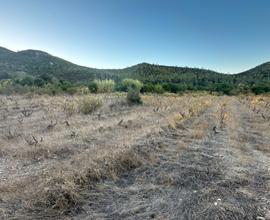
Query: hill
260	73
35	63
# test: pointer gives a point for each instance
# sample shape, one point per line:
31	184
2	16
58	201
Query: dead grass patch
76	150
61	192
199	131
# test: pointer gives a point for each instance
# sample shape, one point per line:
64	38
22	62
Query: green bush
149	87
224	88
83	90
159	89
133	96
168	87
102	86
5	86
89	104
67	87
93	87
132	84
39	82
261	88
27	81
105	86
72	90
51	89
9	89
47	78
152	88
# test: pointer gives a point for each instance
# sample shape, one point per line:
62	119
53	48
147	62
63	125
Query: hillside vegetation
37	68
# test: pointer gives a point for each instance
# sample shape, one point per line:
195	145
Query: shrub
169	87
133	96
27	81
51	89
224	88
72	90
65	85
149	87
83	90
89	104
47	78
93	87
6	86
39	82
102	86
152	88
18	89
70	108
159	89
261	88
132	84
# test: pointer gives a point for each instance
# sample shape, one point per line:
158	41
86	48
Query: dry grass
199	132
196	156
61	192
49	151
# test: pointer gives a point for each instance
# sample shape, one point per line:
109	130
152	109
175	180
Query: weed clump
102	86
58	194
133	96
129	83
133	87
62	192
89	104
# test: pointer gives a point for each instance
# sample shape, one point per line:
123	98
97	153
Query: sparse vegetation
131	84
48	137
102	86
133	96
133	87
89	104
170	141
56	153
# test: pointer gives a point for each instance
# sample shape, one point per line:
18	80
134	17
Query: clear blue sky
223	35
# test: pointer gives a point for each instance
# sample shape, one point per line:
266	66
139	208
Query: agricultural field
193	156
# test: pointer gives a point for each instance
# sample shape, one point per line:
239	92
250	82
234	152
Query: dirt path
213	166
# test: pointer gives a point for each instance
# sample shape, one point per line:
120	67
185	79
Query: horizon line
131	65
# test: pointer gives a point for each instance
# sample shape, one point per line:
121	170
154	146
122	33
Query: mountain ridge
36	62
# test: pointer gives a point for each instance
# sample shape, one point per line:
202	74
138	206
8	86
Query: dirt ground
174	157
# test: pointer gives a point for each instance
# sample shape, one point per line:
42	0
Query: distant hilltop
35	63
